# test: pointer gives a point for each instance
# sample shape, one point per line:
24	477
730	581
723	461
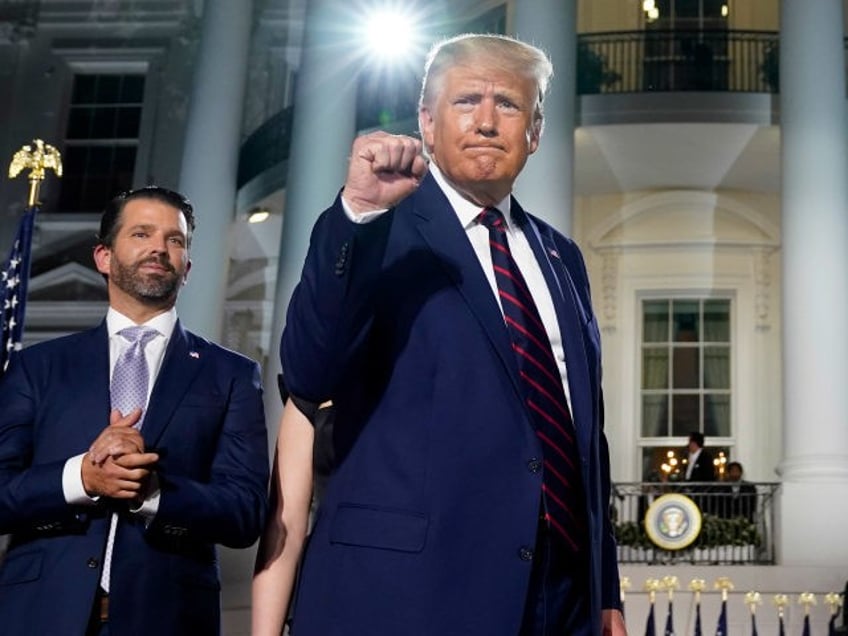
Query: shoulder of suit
202	345
77	342
546	228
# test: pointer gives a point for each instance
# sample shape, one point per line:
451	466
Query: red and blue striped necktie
543	390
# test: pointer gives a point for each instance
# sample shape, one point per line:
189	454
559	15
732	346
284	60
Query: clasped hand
116	465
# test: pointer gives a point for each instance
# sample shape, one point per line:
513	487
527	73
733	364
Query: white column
322	132
546	187
208	178
210	158
814	164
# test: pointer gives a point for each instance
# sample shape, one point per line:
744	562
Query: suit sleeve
331	308
228	504
29	494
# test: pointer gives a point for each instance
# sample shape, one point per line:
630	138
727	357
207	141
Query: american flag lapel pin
194	355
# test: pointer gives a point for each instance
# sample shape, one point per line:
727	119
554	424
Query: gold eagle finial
38	157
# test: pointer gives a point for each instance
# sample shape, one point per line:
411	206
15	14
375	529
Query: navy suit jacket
426	523
205	418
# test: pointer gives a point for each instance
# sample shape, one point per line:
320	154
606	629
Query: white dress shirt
154	352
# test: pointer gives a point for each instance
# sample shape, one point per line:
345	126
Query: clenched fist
383	170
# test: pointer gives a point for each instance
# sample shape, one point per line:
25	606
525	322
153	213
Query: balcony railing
656	60
737	526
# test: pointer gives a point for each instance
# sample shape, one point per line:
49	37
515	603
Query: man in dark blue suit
450	511
114	514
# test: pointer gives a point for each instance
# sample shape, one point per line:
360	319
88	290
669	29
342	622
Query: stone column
323	130
546	187
210	158
208	178
814	198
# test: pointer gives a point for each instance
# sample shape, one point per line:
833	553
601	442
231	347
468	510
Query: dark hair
736	464
110	222
697	437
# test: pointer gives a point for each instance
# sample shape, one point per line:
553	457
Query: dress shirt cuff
72	486
363	217
150	506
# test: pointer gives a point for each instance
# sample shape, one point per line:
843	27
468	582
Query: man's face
148	261
480	130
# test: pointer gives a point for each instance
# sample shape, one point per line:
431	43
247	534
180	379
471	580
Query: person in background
740	497
303	461
699	464
128	451
700	469
454	333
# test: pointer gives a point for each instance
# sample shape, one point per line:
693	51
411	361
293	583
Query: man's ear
425	125
102	258
534	136
188	269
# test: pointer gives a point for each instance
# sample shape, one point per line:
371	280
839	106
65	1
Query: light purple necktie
131	377
128	390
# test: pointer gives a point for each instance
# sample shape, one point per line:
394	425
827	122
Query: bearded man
128	451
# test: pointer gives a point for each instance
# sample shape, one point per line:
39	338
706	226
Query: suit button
525	554
92	562
534	465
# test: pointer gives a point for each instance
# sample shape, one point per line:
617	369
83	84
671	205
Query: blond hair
498	51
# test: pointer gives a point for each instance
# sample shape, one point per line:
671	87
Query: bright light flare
390	34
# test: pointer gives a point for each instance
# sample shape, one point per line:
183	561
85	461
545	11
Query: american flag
14	275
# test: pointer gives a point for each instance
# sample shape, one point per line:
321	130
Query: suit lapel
560	285
183	360
89	391
440	228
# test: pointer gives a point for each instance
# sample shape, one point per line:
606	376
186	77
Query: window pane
717	367
108	89
685	316
84	89
100	160
686	414
716	415
79	123
687	368
717	321
655	368
103	126
654	415
655	321
129	119
132	90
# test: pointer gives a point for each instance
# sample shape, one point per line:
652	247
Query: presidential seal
673	522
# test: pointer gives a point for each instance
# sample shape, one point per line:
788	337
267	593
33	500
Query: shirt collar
163	323
467	211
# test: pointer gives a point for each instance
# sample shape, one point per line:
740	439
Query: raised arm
282	540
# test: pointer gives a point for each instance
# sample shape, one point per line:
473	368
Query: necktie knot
130	377
138	336
493	219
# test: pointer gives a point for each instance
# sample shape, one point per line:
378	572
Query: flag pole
38	158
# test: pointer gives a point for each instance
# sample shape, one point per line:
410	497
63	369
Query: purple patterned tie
544	394
130	378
